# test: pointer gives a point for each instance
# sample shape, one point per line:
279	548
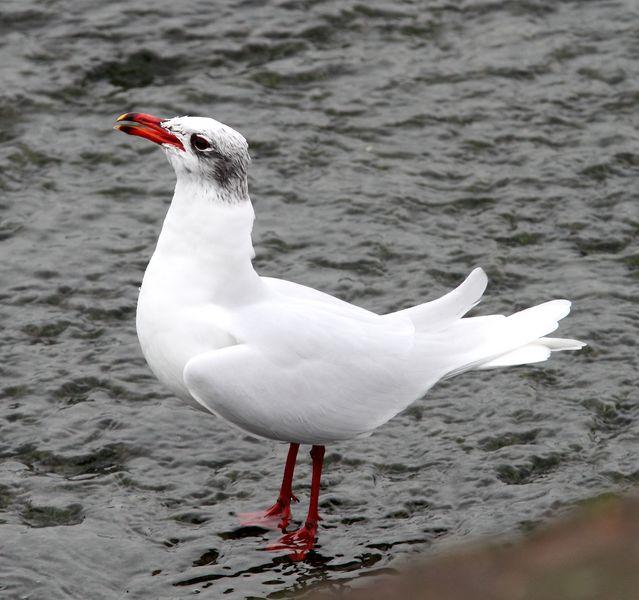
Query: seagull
283	361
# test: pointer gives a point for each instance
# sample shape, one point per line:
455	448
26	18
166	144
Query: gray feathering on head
213	152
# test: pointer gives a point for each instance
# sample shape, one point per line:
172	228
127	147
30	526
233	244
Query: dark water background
396	146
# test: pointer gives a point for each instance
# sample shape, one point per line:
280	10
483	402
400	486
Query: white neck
205	247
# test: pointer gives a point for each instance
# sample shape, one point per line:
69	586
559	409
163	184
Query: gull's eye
200	143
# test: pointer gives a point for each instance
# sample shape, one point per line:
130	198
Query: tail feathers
532	353
518	339
538	351
443	312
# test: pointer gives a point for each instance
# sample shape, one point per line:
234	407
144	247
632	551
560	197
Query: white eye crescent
200	143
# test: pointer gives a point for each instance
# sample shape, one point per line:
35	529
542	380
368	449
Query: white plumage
281	360
286	362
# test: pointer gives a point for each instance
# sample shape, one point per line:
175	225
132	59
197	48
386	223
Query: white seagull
283	361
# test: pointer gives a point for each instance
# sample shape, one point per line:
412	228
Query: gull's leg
301	541
279	514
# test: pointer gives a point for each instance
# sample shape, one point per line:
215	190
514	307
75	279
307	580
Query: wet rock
592	555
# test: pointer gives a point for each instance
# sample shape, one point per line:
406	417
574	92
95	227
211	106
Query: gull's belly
170	335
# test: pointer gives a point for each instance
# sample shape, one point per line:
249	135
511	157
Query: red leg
279	514
301	541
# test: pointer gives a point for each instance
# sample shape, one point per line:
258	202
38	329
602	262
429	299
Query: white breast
201	264
172	329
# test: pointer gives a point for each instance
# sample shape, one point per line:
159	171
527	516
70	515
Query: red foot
276	517
299	542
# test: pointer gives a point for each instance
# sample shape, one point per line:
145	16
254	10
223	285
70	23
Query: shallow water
394	148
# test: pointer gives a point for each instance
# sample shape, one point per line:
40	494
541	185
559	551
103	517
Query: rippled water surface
395	146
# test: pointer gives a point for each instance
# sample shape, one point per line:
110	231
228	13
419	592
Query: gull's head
200	149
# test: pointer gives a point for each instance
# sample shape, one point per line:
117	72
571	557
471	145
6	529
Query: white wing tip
559	344
477	281
555	309
567	304
479	274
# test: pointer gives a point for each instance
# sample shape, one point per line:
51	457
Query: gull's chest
173	329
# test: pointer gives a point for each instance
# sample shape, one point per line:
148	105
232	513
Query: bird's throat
205	246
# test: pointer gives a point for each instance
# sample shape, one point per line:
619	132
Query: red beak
147	126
